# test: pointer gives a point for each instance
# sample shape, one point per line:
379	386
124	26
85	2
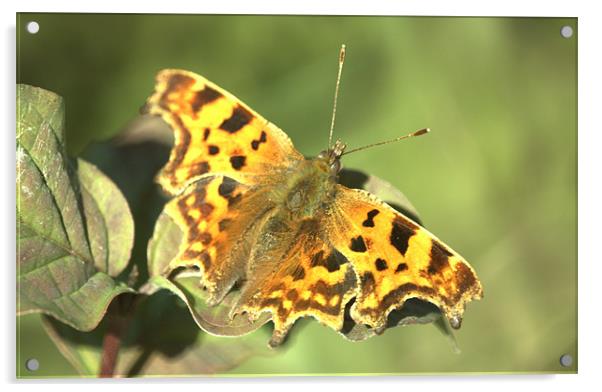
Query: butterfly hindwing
215	133
310	278
218	216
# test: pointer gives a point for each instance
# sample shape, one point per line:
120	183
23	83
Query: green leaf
110	225
132	163
163	246
74	228
211	319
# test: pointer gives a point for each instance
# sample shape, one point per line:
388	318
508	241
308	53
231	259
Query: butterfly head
330	159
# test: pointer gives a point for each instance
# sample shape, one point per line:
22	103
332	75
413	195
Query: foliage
69	250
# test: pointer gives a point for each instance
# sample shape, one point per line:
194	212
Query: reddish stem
110	350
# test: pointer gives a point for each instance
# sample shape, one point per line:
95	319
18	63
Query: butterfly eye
335	166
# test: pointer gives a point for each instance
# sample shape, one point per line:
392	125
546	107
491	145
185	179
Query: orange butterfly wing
396	259
224	158
215	133
309	278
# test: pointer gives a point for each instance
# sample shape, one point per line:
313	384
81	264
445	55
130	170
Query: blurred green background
496	179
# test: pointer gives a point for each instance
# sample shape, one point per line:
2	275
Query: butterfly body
256	214
309	189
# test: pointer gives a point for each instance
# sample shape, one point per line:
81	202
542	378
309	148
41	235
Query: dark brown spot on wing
465	278
369	222
193	230
380	264
357	244
205	238
206	133
332	262
239	118
176	83
206	209
184	209
302	304
271	302
283	312
232	201
237	161
401	267
262	139
292	295
439	258
298	273
226	188
191	254
198	168
400	235
213	150
203	97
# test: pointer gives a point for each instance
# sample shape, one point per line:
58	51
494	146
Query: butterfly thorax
312	185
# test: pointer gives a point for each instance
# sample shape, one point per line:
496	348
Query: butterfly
257	215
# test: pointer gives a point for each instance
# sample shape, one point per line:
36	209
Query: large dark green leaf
131	160
74	228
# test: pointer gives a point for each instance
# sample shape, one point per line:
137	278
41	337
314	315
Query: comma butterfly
255	213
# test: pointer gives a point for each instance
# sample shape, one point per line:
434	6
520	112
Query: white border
311	7
590	195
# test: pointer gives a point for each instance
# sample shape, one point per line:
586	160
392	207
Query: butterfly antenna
417	133
336	92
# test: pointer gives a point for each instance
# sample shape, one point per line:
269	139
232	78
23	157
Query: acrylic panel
168	226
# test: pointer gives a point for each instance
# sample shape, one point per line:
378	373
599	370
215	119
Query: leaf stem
118	317
110	349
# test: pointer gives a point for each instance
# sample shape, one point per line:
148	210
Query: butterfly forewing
396	259
214	132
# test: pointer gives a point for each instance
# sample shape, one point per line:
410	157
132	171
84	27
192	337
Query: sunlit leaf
74	228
